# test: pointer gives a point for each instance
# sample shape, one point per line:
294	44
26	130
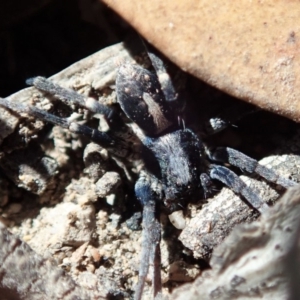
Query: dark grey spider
178	166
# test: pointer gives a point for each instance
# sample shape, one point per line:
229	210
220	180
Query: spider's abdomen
179	155
142	100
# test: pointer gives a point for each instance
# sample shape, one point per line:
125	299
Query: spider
178	165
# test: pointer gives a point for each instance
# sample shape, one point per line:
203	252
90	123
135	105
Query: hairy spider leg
228	118
234	182
206	184
70	97
107	140
164	78
250	165
172	97
149	197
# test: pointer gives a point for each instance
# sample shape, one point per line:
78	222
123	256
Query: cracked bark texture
256	261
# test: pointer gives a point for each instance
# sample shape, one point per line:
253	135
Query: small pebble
177	219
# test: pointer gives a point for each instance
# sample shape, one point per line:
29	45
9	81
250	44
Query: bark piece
258	260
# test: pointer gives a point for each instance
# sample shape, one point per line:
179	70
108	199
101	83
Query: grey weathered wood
256	261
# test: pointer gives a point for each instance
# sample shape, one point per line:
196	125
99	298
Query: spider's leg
206	184
146	193
228	118
234	182
163	75
250	165
70	97
105	139
172	97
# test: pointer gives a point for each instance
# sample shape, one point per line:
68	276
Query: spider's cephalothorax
178	166
180	158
